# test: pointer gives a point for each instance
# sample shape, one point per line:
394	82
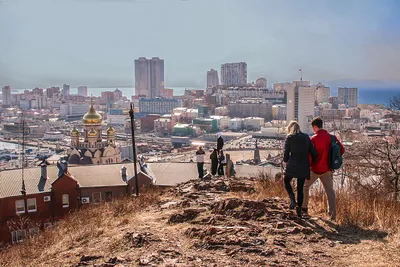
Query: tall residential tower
6	96
149	77
348	96
234	74
300	104
212	78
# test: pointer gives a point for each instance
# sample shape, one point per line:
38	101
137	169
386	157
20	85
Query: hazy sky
94	42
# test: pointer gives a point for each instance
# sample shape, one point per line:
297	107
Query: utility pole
23	189
132	115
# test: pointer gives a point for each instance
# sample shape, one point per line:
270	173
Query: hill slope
219	222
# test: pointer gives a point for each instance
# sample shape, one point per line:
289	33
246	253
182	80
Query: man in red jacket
320	168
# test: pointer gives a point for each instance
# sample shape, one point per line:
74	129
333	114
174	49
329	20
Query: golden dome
92	117
74	132
92	132
110	130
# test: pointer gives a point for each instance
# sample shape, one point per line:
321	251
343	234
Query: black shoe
304	211
299	212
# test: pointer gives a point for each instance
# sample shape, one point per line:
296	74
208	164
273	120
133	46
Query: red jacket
322	142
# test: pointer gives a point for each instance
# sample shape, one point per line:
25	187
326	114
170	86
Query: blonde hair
293	128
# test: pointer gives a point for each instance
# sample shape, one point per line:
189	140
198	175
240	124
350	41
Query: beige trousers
327	181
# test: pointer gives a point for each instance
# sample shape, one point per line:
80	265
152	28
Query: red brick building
49	197
147	123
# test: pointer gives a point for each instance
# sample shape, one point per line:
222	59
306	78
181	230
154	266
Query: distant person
298	148
214	162
222	163
322	141
200	161
220	142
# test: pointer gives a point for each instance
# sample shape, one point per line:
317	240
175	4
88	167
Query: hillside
220	222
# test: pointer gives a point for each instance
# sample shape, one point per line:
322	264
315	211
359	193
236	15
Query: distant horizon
97	43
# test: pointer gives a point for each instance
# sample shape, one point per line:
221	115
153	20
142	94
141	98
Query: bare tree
375	163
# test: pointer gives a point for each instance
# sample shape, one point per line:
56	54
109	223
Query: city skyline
343	41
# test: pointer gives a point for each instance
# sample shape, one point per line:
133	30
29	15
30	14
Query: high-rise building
6	96
82	90
300	104
261	82
66	90
149	77
107	97
212	78
52	92
234	74
322	93
348	96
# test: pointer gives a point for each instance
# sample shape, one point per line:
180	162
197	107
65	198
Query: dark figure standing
200	161
222	163
220	142
214	162
298	149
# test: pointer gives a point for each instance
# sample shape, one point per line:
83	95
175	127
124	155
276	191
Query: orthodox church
92	149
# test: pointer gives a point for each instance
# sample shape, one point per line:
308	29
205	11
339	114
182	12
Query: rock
231	204
294	231
307	231
139	240
188	215
221	186
280	225
89	258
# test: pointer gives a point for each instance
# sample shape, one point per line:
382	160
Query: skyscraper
348	96
149	77
234	74
300	104
322	93
6	96
82	90
212	78
66	90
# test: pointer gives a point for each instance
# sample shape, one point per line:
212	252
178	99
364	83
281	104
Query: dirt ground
217	222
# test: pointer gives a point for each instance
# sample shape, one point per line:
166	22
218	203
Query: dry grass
356	207
77	229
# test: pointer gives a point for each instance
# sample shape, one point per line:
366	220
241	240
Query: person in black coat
220	142
214	161
299	150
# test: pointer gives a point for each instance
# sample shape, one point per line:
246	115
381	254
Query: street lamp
131	114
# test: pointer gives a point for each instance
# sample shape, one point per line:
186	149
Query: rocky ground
219	222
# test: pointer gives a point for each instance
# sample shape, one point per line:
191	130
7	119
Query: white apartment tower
322	93
234	74
300	104
348	96
66	90
82	91
6	96
212	78
149	77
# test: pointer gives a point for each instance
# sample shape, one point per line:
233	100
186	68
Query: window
20	206
18	236
96	196
108	196
65	200
31	203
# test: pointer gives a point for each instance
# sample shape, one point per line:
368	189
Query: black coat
298	148
220	143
